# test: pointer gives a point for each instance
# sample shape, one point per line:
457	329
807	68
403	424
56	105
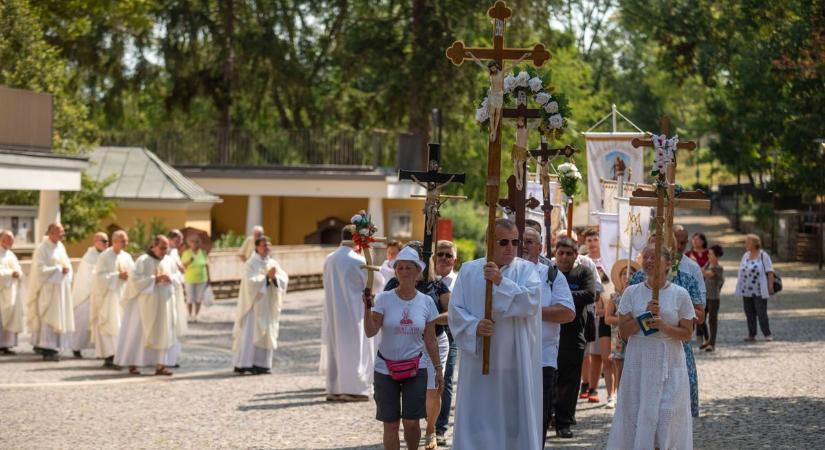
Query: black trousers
567	383
549	383
757	308
712	319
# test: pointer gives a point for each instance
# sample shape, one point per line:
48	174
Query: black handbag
777	280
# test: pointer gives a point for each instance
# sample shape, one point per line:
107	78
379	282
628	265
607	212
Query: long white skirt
248	354
653	408
8	339
105	345
50	340
443	350
131	350
82	338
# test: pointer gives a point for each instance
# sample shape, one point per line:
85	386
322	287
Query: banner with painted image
610	156
610	244
634	225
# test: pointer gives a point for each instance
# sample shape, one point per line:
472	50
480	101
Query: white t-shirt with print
402	333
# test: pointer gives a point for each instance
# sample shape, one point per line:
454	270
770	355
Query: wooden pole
570	218
493	177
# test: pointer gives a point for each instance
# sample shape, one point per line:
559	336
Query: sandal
431	442
134	370
163	371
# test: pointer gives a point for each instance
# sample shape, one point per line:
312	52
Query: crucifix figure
499	12
666	187
433	180
515	203
543	157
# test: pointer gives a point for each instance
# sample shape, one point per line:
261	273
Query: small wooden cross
457	53
543	157
433	180
517	204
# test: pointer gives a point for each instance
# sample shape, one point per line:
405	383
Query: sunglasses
513	242
444	255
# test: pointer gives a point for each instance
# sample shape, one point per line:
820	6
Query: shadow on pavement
275	406
782	422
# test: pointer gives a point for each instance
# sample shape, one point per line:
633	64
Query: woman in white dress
653	409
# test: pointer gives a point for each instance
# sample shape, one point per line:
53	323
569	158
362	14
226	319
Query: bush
466	250
469	224
230	239
140	239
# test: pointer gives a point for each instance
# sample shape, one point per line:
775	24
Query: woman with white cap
406	319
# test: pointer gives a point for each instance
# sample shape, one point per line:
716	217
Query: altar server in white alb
49	306
111	273
12	295
151	319
501	410
82	292
259	309
347	355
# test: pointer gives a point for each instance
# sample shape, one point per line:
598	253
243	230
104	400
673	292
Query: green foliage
469	224
82	211
466	250
140	238
230	239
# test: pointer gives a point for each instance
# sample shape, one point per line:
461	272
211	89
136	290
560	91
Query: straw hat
617	269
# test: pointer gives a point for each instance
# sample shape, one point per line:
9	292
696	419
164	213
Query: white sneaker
611	403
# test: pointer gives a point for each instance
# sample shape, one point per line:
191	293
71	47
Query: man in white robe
111	272
152	319
503	409
49	305
255	335
175	241
12	294
248	246
82	292
347	355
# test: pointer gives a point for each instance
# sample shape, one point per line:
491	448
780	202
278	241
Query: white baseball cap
408	254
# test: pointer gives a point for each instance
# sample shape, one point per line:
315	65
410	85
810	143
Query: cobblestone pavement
761	395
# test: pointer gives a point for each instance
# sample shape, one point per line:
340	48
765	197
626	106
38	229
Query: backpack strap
552	273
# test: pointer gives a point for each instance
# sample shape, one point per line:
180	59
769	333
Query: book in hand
644	320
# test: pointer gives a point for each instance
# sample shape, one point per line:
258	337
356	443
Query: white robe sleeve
518	299
463	322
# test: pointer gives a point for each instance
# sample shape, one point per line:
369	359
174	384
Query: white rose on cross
556	121
509	82
552	107
535	84
522	79
542	98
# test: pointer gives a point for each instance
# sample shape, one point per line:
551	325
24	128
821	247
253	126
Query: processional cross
433	180
664	198
543	157
499	12
516	203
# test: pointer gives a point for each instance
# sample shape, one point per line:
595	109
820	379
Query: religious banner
537	214
611	156
634	226
610	244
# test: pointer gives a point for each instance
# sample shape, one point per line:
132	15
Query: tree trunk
225	90
420	68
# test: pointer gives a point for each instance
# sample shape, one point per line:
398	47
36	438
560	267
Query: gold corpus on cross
457	53
665	206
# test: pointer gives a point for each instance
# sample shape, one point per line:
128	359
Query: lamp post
775	155
821	195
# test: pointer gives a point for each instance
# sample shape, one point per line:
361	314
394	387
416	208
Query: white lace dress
653	407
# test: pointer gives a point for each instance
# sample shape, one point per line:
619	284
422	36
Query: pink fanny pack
404	369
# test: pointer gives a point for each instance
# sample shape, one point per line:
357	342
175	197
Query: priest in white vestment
111	272
503	409
175	241
12	295
82	292
248	246
49	305
255	335
347	355
151	319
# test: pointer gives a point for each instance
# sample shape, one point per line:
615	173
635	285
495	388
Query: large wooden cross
457	53
665	199
543	157
433	180
517	203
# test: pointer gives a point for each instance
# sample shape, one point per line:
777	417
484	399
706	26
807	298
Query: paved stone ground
767	395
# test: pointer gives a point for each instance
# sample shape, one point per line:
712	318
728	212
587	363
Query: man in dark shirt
571	341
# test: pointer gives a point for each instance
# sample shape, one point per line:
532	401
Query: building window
400	224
